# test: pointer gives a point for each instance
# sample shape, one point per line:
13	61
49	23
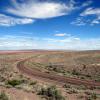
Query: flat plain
50	75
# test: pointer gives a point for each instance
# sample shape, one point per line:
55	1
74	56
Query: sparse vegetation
92	96
33	83
67	86
84	65
14	82
3	96
75	72
72	90
51	93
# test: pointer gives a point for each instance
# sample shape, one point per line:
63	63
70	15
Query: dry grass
85	65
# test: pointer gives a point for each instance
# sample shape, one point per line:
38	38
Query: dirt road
56	78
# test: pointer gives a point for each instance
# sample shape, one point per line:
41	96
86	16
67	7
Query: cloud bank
9	42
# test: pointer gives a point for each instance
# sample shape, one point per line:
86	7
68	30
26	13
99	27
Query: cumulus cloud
40	9
11	21
27	11
35	9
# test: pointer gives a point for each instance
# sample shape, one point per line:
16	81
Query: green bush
3	96
14	82
52	93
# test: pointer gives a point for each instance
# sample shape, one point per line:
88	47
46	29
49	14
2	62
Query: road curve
56	78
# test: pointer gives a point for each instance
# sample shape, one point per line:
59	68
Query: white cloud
89	16
11	21
9	42
65	40
40	9
95	21
91	11
61	34
79	21
73	43
85	4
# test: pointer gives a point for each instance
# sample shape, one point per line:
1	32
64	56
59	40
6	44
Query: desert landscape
50	75
49	49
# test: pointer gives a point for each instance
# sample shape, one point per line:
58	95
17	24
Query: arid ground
49	75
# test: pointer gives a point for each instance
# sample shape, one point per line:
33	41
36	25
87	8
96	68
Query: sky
50	24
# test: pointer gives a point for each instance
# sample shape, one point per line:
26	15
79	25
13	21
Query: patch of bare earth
15	94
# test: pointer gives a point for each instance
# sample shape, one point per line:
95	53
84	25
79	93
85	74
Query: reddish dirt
15	94
22	95
36	73
60	79
24	51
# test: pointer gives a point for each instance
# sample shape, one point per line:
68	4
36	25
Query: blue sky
50	24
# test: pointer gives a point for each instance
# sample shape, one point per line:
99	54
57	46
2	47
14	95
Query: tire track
56	78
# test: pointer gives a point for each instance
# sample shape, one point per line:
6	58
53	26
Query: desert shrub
87	92
89	76
2	79
55	68
74	72
52	93
94	96
3	96
33	83
84	66
80	97
71	91
67	86
14	82
81	87
97	80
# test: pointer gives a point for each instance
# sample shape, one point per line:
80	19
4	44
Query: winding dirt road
56	78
